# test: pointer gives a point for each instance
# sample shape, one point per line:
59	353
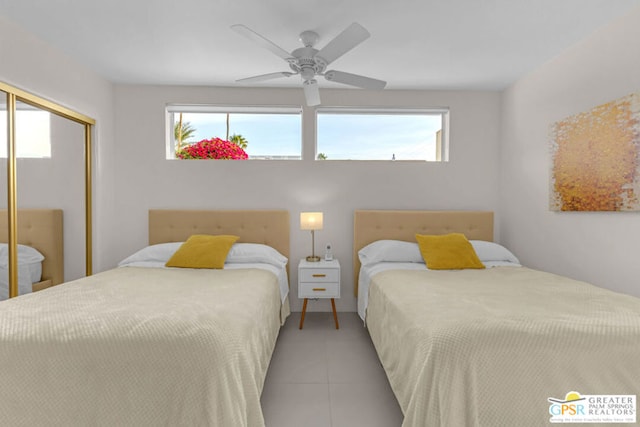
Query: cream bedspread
140	347
488	347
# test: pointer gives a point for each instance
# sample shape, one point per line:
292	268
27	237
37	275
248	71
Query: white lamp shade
311	221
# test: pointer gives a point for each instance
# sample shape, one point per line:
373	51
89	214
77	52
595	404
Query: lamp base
312	258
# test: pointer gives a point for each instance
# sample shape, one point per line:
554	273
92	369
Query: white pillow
26	255
154	253
390	251
490	251
400	251
240	253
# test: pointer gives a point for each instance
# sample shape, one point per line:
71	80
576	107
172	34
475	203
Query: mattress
28	274
140	347
29	261
490	347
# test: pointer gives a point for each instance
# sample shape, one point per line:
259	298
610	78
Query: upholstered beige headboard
372	225
41	229
270	227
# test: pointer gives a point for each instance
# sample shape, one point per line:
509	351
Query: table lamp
311	221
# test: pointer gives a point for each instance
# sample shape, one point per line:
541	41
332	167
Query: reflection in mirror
33	132
4	271
49	175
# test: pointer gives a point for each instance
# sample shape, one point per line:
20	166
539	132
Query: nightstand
319	280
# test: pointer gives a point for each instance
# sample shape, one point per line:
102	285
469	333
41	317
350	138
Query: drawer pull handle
319	275
319	289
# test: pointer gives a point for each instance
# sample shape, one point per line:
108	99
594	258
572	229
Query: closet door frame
13	95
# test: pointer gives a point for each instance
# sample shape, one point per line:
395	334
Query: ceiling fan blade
354	80
311	92
263	77
262	41
351	37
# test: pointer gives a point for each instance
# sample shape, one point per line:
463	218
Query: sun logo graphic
592	408
570	406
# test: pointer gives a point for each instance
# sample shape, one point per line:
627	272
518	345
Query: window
261	132
381	134
33	132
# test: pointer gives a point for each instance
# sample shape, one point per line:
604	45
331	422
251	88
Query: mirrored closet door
46	193
4	250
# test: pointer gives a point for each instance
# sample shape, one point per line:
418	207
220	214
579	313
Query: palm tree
322	156
182	131
239	140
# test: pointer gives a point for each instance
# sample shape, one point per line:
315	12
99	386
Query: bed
149	346
500	346
42	230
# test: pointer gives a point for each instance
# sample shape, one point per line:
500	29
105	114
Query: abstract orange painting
595	158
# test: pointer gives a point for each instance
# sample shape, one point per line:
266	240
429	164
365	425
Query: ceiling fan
309	62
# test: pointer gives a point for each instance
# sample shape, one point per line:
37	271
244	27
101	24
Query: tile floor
323	377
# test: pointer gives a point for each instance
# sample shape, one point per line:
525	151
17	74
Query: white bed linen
140	347
367	272
280	272
489	347
28	274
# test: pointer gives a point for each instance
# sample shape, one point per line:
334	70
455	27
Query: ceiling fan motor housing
306	63
309	38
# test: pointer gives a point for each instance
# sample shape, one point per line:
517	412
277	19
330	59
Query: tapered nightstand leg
335	315
304	310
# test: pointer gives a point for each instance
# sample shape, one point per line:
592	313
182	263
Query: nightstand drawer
319	275
319	290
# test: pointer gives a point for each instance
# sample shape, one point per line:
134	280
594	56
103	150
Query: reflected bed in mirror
41	229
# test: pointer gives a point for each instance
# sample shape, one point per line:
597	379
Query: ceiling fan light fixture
311	92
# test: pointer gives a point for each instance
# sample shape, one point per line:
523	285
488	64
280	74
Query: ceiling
414	44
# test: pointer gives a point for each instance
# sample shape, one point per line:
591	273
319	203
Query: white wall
601	248
145	179
36	67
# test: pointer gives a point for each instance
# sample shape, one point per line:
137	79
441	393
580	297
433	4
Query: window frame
442	143
173	108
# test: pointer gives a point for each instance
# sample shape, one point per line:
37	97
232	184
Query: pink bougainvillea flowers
214	148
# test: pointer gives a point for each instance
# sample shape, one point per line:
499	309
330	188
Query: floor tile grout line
330	405
328	340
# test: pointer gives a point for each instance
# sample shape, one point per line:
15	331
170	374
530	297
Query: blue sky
378	137
267	134
340	136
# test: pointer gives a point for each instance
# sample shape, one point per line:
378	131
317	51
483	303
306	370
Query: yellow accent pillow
202	251
448	252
